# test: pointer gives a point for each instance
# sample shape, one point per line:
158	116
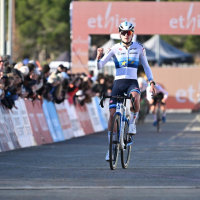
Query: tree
43	25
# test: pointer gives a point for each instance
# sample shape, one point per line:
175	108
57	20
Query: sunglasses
126	32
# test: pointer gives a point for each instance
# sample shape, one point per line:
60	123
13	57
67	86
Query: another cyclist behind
126	56
162	95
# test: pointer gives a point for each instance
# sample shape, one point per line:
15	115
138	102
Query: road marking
195	128
97	187
188	127
170	121
178	111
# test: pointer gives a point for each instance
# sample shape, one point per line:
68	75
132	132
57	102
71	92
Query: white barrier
19	128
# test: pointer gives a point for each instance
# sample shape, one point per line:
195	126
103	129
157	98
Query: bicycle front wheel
114	144
126	152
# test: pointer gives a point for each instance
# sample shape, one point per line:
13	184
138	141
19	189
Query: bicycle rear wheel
159	118
125	154
114	144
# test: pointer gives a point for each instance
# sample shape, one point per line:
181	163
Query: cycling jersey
159	89
127	60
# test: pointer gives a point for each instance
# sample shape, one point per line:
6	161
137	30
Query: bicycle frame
121	111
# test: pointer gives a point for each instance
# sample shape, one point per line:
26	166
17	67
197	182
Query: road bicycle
159	114
120	140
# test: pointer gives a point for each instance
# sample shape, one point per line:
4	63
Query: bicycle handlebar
117	97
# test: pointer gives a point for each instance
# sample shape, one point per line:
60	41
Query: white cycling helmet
126	26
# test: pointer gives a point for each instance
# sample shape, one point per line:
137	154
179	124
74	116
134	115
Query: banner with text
149	18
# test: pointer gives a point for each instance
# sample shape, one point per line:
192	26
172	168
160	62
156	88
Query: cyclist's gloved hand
99	53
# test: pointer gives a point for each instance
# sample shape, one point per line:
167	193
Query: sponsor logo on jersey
111	101
120	49
133	49
119	53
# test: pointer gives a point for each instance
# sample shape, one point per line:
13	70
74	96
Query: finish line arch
169	18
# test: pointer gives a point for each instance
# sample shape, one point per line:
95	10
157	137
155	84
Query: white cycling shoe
132	129
107	158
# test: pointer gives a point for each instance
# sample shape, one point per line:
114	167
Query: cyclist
126	56
162	95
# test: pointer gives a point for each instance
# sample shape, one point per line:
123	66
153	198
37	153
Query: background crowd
33	82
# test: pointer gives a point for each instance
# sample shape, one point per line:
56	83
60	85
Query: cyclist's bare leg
136	103
163	107
153	110
134	113
112	112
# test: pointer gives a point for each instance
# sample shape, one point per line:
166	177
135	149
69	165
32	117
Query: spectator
1	63
24	70
18	65
18	80
60	69
43	78
34	63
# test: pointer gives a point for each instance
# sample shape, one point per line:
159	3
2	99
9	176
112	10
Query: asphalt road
163	165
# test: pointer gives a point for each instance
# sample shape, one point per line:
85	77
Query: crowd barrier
36	123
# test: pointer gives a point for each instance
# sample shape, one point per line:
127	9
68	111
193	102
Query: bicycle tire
159	120
114	144
125	154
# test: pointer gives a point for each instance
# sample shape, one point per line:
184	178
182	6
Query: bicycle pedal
130	139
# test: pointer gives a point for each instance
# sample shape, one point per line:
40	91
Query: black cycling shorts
122	86
160	96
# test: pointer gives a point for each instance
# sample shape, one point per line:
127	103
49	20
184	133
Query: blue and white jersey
127	60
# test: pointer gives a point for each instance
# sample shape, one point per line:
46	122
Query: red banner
38	122
84	119
64	121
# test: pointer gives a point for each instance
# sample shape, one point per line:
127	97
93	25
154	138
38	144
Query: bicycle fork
122	110
121	139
